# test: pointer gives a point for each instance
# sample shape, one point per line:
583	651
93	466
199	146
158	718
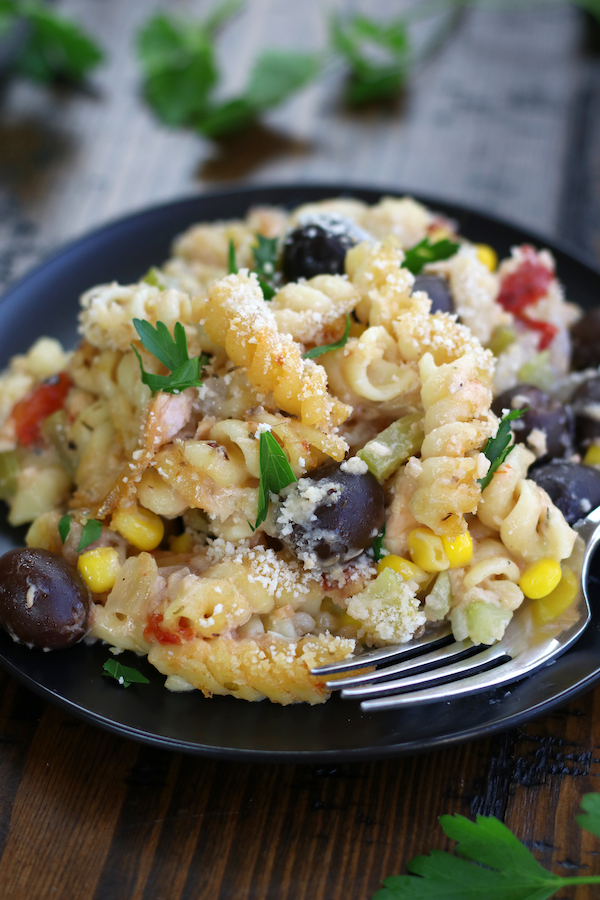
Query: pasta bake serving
303	435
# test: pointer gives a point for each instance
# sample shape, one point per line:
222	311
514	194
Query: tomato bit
29	413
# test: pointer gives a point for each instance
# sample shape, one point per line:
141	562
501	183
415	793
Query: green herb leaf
172	352
498	448
426	252
265	260
91	532
125	675
590	820
56	46
64	526
378	545
275	473
231	264
378	55
326	348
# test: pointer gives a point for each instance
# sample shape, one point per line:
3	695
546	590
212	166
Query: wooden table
506	117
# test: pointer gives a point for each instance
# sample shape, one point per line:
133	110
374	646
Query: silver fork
527	644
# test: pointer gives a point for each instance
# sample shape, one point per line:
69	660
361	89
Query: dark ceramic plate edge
267	194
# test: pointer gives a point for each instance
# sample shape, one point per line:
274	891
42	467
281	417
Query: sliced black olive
331	515
44	603
573	488
586	407
545	415
585	342
313	250
439	292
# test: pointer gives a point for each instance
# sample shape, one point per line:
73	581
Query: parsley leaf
265	260
498	448
91	531
275	473
426	252
56	47
125	675
231	263
172	352
378	56
378	545
326	348
590	820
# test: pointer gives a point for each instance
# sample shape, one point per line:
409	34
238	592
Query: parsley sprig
275	473
125	675
55	46
377	54
378	545
498	448
91	531
491	862
326	348
172	352
265	260
427	252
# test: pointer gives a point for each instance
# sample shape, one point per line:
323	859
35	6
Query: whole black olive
332	515
586	407
439	292
43	601
573	488
585	342
544	415
313	250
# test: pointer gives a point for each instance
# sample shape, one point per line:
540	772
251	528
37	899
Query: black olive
313	250
586	407
544	414
585	342
43	601
573	488
332	515
439	292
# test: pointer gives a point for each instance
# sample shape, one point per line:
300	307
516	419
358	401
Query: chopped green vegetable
538	371
172	352
9	474
496	864
56	47
438	600
275	473
426	252
485	622
231	263
393	446
498	448
378	545
125	675
91	531
326	348
377	54
502	338
154	277
55	428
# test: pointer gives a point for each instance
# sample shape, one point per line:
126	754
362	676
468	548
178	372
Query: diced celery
154	277
9	474
393	446
502	338
538	372
486	623
437	602
55	429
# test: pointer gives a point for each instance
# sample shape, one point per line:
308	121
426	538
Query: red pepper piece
29	413
154	632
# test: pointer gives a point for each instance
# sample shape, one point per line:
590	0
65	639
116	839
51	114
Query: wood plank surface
505	117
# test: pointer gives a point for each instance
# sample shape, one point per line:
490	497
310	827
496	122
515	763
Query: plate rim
438	742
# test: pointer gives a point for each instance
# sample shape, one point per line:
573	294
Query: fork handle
589	530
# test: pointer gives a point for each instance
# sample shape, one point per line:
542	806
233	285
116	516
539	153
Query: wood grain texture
506	117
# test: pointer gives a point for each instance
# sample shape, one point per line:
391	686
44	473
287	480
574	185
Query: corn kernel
459	550
139	526
99	568
592	457
553	604
488	256
540	579
427	550
404	567
182	543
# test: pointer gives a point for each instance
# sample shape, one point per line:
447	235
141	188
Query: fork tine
513	670
374	657
461	667
441	656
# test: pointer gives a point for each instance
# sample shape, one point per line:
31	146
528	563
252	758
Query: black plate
46	302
